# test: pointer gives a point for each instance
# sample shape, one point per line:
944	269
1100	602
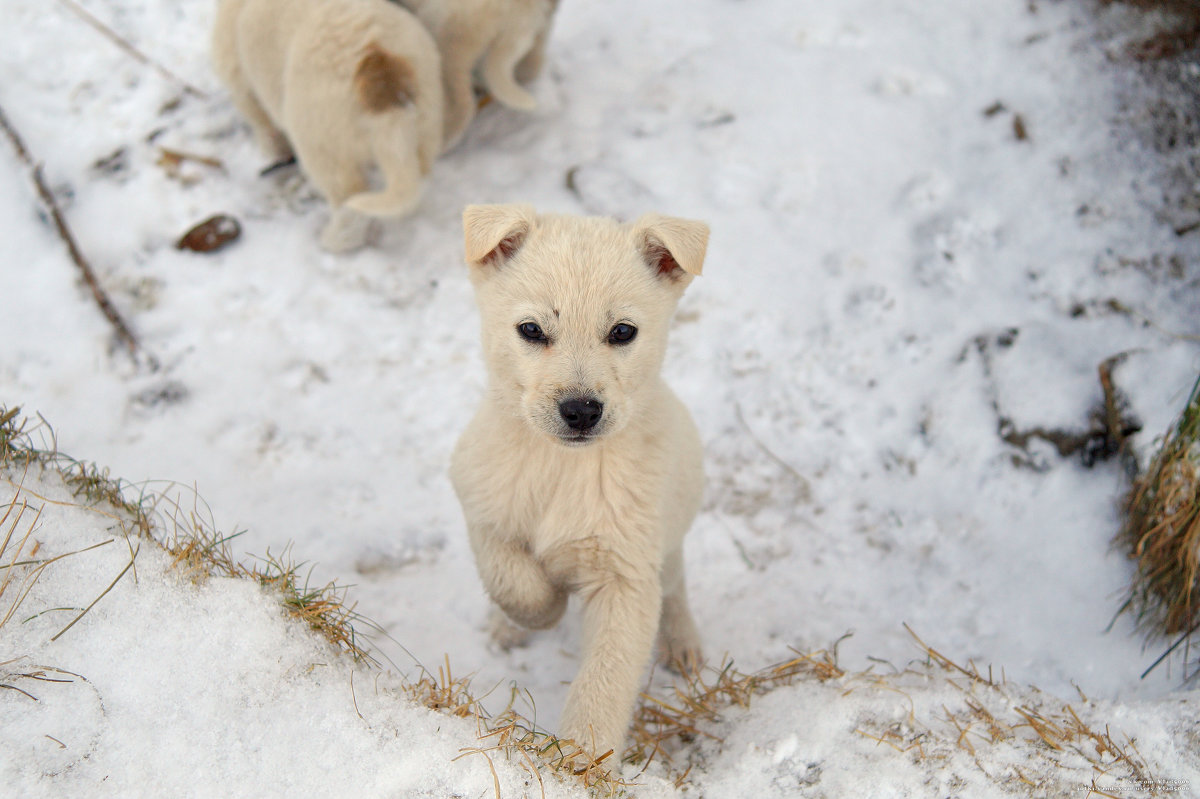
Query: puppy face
575	312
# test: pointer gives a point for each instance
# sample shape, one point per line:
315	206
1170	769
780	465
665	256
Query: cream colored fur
550	509
505	38
300	71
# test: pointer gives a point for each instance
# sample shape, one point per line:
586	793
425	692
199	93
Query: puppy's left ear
493	233
674	248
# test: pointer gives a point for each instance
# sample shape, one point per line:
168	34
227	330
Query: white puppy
581	471
509	36
347	84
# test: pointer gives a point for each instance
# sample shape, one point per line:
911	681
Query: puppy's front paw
505	634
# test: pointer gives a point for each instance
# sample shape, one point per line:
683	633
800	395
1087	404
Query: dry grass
1047	744
663	726
18	553
512	736
1162	531
20	566
1049	738
202	551
1036	739
186	532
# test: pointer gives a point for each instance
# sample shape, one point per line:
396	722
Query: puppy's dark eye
531	331
622	333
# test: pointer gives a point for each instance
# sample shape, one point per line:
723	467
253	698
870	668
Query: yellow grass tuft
1162	531
198	548
662	725
1048	736
512	736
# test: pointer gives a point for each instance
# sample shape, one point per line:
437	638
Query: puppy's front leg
619	622
515	579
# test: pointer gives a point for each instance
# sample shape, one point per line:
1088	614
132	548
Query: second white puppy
581	472
506	38
348	85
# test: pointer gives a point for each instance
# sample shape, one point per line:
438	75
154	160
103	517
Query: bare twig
19	690
171	159
1181	639
60	223
129	49
805	487
947	663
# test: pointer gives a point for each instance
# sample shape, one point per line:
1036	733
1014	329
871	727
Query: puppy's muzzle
581	414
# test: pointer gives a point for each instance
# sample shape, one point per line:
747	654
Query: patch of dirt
1109	425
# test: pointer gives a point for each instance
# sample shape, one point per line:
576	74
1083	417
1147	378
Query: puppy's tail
384	80
499	66
386	86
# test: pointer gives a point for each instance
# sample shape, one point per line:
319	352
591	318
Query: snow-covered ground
893	270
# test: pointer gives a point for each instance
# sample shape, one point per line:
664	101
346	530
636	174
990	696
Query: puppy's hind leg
347	229
400	164
461	47
678	641
270	139
530	66
229	69
500	65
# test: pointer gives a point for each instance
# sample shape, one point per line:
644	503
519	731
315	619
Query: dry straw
1045	740
1162	531
1049	737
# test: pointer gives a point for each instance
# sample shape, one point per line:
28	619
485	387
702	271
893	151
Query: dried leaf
211	234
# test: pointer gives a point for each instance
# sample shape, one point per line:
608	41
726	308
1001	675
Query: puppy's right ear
494	233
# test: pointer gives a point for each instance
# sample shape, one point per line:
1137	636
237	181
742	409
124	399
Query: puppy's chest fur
589	515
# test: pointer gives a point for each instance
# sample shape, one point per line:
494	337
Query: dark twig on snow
805	487
1180	640
129	49
60	223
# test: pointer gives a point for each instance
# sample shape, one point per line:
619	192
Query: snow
891	272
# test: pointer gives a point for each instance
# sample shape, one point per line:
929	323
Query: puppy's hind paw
681	659
514	96
346	231
504	633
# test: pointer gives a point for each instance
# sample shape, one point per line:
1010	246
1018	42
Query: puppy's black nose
580	414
